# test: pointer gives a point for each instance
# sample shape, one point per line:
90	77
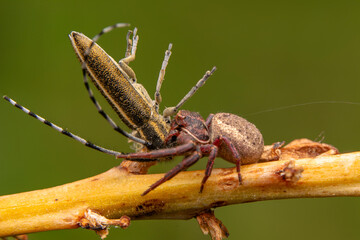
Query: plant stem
116	193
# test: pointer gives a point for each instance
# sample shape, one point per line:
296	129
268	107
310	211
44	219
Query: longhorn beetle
226	135
117	83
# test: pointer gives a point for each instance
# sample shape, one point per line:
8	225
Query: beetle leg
168	112
222	139
131	45
184	164
210	164
174	151
124	63
161	78
128	43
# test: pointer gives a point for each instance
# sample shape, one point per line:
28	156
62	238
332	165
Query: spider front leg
213	153
222	139
208	120
183	165
153	155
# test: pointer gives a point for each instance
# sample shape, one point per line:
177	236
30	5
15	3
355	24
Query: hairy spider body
244	135
223	134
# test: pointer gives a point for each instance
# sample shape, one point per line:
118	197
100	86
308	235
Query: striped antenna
61	130
90	92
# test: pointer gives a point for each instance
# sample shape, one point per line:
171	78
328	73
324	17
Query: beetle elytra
118	84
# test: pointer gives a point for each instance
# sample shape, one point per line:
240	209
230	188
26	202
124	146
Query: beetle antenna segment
161	78
61	130
172	110
90	92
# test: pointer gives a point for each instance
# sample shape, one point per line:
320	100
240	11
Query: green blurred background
269	54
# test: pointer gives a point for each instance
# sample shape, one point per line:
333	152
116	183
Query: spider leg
184	164
173	133
208	120
174	151
222	139
210	164
238	163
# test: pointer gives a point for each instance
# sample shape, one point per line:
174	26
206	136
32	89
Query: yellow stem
116	193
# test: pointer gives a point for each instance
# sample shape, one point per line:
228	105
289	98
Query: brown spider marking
222	135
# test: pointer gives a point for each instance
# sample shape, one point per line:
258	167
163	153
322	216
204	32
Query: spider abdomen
244	135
